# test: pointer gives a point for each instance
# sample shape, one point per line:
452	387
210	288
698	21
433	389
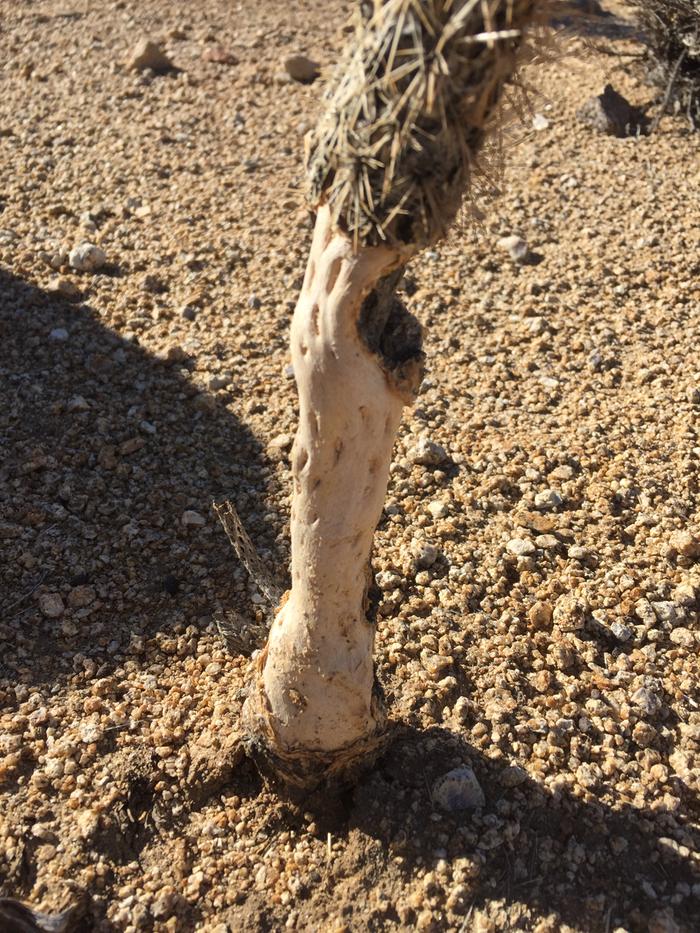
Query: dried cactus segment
407	114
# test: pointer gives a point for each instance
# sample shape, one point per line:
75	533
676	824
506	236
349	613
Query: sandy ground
548	639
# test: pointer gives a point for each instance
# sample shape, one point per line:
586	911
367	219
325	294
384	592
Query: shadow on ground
103	449
590	19
593	864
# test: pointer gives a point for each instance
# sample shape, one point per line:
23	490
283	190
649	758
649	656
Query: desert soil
540	576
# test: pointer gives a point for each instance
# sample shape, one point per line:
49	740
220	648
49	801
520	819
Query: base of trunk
306	769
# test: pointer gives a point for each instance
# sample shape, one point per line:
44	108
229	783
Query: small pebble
149	54
51	605
644	734
281	442
570	613
621	631
665	612
86	257
437	509
540	615
548	499
427	453
81	596
685	543
190	517
537	326
513	776
221	381
683	637
515	246
425	554
520	547
219	55
302	69
458	790
647	701
65	288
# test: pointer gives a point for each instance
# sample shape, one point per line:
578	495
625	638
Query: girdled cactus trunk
388	166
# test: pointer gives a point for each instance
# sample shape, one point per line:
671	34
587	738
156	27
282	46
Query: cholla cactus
395	149
389	164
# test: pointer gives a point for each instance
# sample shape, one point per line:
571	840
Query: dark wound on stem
394	336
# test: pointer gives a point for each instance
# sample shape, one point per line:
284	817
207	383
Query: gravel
559	410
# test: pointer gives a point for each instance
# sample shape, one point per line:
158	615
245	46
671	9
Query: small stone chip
190	517
683	637
513	776
458	790
621	631
540	615
646	700
437	509
644	734
51	605
570	613
149	54
425	554
86	257
281	442
666	612
427	453
548	499
65	288
515	246
520	547
81	596
131	446
685	543
77	403
301	69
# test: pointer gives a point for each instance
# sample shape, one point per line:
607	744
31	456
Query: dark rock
302	69
611	114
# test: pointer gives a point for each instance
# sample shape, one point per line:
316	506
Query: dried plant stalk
674	31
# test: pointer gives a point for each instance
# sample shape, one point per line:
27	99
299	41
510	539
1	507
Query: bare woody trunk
313	707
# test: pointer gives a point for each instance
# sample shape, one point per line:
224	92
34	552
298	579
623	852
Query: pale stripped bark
313	709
